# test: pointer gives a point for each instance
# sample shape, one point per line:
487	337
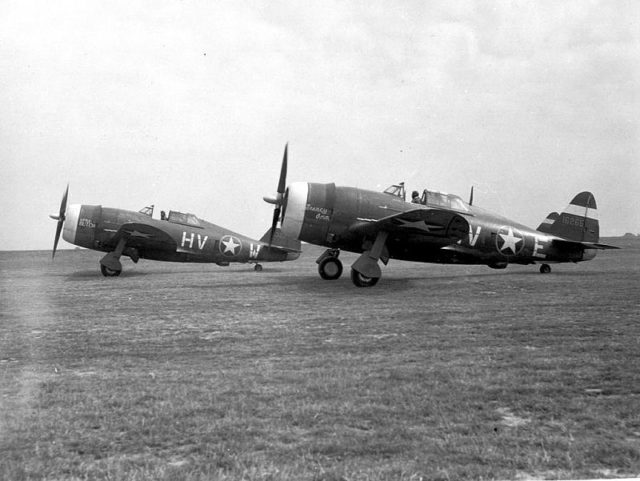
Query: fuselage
189	239
337	217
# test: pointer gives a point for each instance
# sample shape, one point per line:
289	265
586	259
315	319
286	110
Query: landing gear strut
365	271
545	269
329	266
110	265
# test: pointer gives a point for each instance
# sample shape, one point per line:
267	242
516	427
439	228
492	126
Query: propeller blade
60	219
471	197
63	204
282	185
55	242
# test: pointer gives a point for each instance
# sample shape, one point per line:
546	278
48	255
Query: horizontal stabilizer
584	245
281	241
596	245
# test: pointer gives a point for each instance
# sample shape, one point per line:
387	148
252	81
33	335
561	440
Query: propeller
278	200
60	218
471	197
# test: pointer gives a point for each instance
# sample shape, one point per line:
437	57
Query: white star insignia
229	246
510	241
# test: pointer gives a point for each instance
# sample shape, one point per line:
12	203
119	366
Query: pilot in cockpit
415	197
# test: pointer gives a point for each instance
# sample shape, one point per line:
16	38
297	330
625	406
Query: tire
330	268
257	268
109	272
545	269
363	281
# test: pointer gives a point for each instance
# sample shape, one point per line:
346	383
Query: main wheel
109	272
330	268
363	281
545	269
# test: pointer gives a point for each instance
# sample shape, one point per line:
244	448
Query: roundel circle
230	246
509	241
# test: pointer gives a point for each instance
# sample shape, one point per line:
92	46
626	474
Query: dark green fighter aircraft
177	237
437	227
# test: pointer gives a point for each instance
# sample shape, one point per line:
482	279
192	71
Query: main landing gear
361	280
329	266
545	269
365	271
107	272
110	265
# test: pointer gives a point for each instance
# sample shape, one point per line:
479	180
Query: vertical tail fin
578	222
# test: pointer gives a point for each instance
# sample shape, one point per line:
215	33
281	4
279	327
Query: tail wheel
330	268
257	268
545	269
109	272
363	281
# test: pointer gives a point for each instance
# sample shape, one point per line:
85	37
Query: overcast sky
188	105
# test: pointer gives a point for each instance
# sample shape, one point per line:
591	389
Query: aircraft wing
428	222
144	236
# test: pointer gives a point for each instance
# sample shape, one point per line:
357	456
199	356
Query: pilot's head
415	194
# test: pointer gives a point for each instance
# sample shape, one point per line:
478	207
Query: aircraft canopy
397	190
432	198
182	218
148	210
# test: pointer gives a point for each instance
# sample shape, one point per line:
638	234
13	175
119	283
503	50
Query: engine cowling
80	224
308	210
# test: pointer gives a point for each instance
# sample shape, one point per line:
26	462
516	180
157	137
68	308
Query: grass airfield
194	372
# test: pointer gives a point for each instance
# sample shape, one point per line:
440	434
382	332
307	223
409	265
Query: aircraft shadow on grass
91	274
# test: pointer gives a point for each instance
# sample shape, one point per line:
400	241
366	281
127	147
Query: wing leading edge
144	236
428	222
